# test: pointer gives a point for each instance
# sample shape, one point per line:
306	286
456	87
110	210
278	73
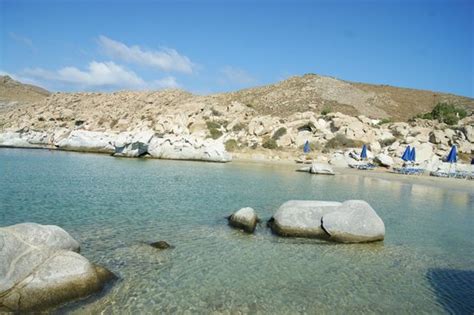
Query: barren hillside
13	92
128	110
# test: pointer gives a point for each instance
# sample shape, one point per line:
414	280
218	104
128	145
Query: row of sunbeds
413	170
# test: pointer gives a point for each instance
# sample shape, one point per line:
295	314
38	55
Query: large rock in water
40	268
301	218
245	219
350	222
354	221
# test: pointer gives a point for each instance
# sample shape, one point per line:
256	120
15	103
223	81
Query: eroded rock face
40	268
188	148
88	141
352	221
245	219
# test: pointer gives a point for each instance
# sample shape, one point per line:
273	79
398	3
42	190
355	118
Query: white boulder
245	219
354	221
40	268
320	168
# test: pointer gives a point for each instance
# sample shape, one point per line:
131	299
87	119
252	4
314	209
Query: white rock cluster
40	267
352	221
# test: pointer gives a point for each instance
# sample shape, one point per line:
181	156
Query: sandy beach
379	173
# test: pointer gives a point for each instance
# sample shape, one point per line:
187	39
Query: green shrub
238	127
231	145
326	110
279	133
215	133
270	144
212	125
446	113
341	141
215	112
385	121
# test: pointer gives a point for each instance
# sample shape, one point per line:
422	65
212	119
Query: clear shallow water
425	264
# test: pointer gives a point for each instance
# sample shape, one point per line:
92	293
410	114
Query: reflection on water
114	206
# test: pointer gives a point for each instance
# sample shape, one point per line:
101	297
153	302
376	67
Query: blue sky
213	46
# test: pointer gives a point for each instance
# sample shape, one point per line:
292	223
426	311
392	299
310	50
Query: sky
215	46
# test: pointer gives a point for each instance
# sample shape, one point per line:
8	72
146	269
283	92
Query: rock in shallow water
161	245
350	222
301	218
245	219
40	268
354	221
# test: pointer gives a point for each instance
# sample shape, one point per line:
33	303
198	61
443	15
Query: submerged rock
245	219
40	268
350	222
354	221
161	245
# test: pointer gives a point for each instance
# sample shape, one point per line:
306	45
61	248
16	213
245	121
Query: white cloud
236	76
23	41
100	75
166	59
97	74
165	83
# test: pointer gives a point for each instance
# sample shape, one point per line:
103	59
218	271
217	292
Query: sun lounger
409	170
365	167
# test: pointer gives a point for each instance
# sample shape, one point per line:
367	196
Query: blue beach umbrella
413	155
306	148
406	154
363	153
452	156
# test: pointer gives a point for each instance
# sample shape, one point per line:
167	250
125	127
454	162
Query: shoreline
291	165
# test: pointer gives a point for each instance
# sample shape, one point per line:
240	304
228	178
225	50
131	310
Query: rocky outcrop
352	221
384	160
126	144
188	148
88	141
40	268
245	219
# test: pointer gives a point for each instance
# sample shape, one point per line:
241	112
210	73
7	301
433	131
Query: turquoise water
112	206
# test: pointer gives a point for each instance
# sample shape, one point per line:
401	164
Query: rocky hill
273	121
13	92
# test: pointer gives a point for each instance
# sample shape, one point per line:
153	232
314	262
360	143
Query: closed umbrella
306	147
413	155
363	153
452	156
406	154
